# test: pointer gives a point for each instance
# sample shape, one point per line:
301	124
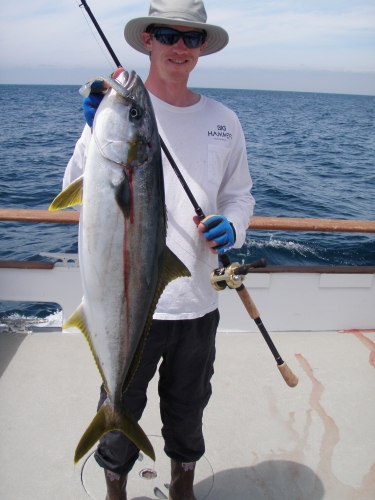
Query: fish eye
135	112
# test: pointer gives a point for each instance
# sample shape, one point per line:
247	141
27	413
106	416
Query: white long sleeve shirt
207	142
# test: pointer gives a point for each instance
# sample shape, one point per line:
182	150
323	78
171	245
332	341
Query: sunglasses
169	36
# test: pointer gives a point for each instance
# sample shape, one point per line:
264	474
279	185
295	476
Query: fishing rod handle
287	374
248	302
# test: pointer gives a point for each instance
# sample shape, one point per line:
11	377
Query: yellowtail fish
124	261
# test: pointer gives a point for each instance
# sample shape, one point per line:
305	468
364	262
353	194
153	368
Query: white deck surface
264	440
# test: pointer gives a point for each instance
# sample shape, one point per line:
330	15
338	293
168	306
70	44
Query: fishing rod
230	275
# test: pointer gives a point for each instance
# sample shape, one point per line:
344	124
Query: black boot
182	478
116	485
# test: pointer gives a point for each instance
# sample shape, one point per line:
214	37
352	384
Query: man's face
172	62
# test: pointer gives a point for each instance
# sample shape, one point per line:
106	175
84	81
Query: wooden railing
257	223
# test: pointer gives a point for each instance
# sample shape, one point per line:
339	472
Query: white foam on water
290	246
54	320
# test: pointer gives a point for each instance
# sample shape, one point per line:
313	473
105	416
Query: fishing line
187	252
82	9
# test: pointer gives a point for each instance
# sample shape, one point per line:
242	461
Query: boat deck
264	440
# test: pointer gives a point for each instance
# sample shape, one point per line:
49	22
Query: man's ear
147	40
203	46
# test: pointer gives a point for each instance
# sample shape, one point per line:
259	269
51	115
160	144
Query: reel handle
245	268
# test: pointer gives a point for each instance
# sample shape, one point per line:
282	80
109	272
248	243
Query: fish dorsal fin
171	268
78	319
71	195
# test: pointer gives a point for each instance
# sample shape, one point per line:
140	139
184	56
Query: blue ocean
310	155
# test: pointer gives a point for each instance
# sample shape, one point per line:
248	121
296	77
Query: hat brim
217	38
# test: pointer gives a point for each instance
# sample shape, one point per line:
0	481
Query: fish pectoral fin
78	320
107	420
123	196
71	195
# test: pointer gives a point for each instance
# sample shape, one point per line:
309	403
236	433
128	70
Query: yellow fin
78	320
172	267
71	195
107	420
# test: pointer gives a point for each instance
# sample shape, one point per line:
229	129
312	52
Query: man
206	140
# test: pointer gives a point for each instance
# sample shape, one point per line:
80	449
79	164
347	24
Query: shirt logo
220	132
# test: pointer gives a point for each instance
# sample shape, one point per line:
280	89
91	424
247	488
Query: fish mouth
124	89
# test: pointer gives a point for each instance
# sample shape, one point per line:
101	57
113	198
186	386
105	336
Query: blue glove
91	102
219	229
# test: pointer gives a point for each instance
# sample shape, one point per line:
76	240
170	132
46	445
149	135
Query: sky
293	45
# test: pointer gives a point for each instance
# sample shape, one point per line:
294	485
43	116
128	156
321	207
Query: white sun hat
189	13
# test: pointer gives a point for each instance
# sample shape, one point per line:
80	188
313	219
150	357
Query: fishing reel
232	275
222	277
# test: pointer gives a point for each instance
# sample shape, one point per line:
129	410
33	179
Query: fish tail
107	420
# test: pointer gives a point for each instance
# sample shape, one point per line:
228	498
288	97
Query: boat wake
20	323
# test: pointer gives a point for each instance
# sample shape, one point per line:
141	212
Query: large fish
124	261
